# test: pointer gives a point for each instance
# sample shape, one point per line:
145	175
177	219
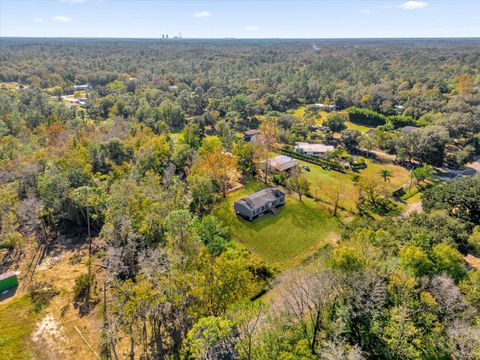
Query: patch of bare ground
49	336
473	261
54	335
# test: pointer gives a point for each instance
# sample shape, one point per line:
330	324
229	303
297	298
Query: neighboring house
250	135
312	149
321	128
259	203
408	129
279	164
83	87
325	107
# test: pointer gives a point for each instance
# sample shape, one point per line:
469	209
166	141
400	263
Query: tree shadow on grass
8	294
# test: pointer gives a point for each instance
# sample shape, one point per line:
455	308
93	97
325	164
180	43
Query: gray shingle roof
261	198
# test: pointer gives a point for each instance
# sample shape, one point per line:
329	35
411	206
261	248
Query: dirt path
411	208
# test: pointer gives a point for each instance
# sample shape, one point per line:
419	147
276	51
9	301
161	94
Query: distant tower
179	35
166	36
163	36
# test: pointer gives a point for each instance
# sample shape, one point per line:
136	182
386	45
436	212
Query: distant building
399	107
325	107
250	135
321	128
259	203
408	129
312	149
279	164
83	87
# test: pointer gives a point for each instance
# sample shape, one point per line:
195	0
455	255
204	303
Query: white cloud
62	19
366	11
38	20
252	28
411	5
202	14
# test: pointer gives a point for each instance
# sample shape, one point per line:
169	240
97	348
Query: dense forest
120	161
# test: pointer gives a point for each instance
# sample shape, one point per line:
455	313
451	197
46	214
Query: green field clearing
17	326
325	183
362	128
284	239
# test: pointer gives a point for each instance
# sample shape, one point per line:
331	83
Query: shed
281	163
250	135
8	280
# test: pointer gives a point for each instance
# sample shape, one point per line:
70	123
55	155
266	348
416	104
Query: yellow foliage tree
220	166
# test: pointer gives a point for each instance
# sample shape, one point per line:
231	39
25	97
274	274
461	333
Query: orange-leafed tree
219	165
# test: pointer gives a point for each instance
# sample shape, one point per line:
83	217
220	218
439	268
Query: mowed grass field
284	239
18	322
325	183
300	111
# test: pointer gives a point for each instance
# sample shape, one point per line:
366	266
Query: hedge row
371	117
366	116
326	164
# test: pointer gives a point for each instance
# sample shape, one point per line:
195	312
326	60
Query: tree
461	198
212	338
152	156
218	165
351	139
193	135
385	174
422	173
88	198
172	114
298	183
267	138
336	121
247	153
464	85
203	193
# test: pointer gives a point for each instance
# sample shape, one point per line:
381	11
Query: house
325	107
312	149
259	203
250	135
321	128
83	87
8	280
279	164
409	129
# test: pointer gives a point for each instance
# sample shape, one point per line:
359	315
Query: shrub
41	293
279	179
82	286
10	240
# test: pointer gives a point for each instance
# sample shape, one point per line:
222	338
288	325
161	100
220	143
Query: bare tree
306	298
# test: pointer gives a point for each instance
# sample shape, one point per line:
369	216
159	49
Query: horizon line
243	38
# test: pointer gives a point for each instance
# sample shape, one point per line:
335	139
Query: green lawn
284	239
325	183
362	128
18	324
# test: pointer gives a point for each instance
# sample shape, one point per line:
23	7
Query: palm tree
385	174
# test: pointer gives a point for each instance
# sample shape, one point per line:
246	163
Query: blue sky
240	18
